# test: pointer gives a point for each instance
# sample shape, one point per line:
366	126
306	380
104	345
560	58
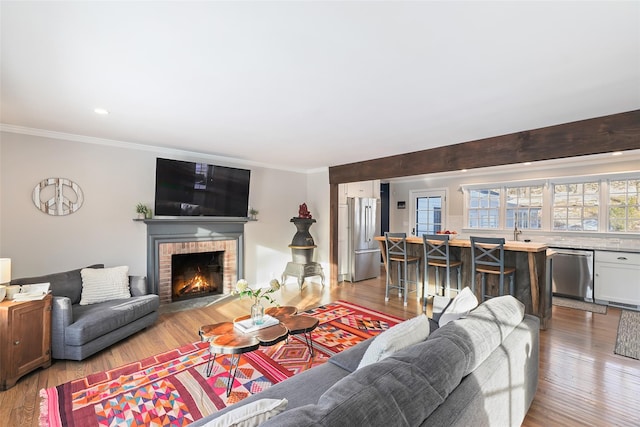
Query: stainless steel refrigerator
363	226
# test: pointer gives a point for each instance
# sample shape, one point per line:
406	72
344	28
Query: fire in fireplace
196	275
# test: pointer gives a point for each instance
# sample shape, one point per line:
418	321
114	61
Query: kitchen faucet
516	232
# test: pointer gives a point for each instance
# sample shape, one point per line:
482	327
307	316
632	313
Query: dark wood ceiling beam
617	132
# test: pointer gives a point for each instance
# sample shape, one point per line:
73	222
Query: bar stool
396	244
487	257
437	254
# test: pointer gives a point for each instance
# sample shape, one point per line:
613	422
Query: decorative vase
257	313
141	215
302	236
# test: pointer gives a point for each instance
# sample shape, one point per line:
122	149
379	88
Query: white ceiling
305	85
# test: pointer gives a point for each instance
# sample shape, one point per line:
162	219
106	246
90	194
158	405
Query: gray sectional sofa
480	370
78	331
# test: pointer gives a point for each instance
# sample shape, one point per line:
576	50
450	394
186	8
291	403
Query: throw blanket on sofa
172	388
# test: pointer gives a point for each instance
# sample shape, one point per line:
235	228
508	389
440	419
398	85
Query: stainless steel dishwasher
572	273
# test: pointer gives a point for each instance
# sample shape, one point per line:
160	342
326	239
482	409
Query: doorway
428	211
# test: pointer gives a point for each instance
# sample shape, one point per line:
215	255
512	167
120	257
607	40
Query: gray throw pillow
483	330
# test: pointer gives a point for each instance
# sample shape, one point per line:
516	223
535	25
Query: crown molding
43	133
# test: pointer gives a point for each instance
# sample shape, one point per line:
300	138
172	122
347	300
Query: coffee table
224	338
301	324
295	323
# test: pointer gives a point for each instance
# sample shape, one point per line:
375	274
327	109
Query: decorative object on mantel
302	247
144	212
63	196
303	211
257	310
253	214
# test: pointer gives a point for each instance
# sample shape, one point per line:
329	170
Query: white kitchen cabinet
358	189
617	277
343	243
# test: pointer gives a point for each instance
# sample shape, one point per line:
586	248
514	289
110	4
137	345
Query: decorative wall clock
58	196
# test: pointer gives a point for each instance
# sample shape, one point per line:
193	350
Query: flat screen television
199	189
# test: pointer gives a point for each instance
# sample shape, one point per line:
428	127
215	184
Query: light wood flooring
582	382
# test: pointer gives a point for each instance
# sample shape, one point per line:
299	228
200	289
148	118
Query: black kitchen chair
487	257
438	255
396	244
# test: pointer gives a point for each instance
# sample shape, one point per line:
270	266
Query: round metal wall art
61	196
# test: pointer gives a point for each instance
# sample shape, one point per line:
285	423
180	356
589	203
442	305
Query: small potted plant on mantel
253	213
143	211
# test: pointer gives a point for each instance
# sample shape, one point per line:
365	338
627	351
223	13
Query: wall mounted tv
199	189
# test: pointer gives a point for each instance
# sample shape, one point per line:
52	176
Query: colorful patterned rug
172	389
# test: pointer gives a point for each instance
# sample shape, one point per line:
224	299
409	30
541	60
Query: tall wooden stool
487	257
437	255
396	244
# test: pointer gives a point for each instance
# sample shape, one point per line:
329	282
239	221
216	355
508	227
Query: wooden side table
25	338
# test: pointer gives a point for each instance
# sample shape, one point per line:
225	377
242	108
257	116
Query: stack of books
20	293
248	325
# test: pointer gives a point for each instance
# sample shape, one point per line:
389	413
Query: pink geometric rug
172	388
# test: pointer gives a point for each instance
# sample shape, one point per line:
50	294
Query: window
600	204
576	206
484	208
201	177
624	205
523	205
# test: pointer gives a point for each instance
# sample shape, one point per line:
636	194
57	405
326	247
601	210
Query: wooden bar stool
437	255
487	257
396	244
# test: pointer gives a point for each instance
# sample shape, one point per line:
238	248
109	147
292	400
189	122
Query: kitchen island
532	287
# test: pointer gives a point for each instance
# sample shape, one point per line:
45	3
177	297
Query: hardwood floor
582	382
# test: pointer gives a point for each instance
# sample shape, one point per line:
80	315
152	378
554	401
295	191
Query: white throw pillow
251	414
461	305
396	338
104	284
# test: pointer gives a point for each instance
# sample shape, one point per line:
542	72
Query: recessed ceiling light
617	153
527	163
463	170
101	111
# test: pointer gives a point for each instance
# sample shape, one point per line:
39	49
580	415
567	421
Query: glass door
428	211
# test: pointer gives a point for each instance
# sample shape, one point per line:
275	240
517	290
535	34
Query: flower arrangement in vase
257	310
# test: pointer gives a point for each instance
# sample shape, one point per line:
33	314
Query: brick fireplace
166	237
168	249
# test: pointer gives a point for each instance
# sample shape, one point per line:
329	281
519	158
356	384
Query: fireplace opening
196	275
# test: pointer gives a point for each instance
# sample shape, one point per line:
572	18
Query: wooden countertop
509	245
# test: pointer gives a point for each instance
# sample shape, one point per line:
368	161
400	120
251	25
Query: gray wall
114	178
